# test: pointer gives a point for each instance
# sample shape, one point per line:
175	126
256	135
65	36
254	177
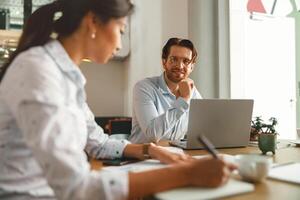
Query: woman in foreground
46	124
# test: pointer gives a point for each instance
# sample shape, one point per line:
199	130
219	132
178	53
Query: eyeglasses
174	60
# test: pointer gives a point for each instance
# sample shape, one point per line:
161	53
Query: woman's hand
166	156
208	172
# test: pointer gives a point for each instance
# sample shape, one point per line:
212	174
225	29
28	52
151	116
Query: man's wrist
181	104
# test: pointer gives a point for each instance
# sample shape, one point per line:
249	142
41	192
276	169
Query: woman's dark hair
179	42
41	24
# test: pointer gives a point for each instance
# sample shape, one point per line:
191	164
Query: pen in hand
208	146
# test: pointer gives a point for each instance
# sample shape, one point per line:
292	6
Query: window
262	59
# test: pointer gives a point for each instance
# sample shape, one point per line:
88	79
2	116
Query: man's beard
174	77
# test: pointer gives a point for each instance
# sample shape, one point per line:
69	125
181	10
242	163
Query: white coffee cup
253	168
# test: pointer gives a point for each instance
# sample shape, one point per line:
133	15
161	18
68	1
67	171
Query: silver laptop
225	122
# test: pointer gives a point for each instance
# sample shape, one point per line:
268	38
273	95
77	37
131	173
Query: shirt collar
64	62
163	85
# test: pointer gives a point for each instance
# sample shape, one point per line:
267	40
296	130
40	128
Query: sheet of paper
138	166
289	172
154	164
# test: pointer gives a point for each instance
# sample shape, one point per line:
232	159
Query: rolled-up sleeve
155	125
99	145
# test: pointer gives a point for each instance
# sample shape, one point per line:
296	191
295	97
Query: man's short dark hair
179	42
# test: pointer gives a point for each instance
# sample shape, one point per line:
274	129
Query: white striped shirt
45	126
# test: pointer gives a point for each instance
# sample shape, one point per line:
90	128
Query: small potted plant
256	128
265	133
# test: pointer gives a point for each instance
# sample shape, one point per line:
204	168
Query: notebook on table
288	172
225	122
233	187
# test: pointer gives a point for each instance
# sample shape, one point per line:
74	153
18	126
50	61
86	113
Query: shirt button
111	182
117	152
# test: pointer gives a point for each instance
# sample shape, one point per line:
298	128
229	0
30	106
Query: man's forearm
163	125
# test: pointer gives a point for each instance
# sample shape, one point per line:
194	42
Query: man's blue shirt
157	114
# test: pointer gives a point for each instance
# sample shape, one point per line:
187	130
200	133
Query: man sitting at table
161	103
